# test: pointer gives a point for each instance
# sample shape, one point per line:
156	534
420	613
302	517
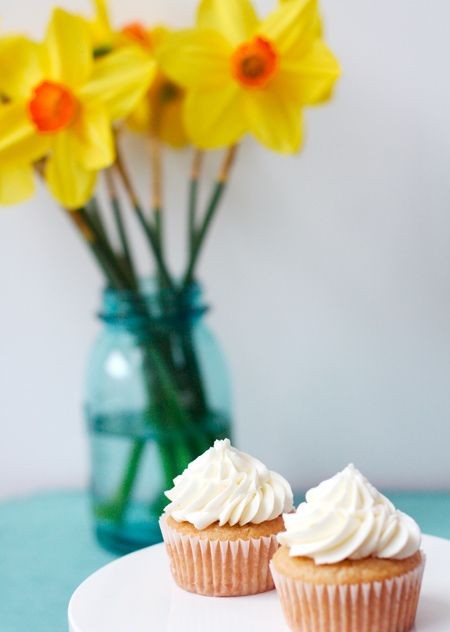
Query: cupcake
349	561
221	526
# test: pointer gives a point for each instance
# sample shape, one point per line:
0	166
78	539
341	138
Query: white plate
137	594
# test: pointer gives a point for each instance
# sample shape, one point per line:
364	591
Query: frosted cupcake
221	525
349	561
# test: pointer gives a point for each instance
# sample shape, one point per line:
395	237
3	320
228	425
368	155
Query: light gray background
329	273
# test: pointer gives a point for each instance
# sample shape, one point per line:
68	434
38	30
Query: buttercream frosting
227	486
345	517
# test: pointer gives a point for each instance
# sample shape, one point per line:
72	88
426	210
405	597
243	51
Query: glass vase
157	396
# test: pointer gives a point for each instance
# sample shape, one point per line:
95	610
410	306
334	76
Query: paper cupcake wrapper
220	569
384	606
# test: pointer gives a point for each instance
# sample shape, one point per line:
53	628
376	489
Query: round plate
136	593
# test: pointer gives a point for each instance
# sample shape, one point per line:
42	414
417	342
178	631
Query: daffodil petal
159	35
213	118
318	28
68	49
309	79
119	80
140	118
161	115
236	20
68	181
20	69
196	58
102	13
171	127
292	26
93	140
20	143
275	121
101	28
16	183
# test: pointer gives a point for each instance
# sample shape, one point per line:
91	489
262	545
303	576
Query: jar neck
152	306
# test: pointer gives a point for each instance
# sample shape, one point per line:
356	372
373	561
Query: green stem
104	255
119	504
155	366
200	407
118	218
171	420
159	244
95	215
154	245
104	245
148	229
179	441
211	210
158	227
120	226
156	179
193	197
201	234
164	407
180	418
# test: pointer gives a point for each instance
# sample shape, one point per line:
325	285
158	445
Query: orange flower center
137	32
254	63
53	107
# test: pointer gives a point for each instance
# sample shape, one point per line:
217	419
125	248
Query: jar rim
151	304
149	286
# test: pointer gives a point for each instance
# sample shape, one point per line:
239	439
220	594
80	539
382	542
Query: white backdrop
329	273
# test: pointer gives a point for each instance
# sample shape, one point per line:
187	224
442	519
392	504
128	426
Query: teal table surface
47	549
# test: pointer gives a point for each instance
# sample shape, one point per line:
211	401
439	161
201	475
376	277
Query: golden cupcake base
370	595
221	561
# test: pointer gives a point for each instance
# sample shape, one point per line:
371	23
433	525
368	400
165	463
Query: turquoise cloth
47	549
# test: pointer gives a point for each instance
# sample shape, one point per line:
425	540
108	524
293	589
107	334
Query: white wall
329	273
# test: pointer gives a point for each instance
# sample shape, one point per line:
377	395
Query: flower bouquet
65	104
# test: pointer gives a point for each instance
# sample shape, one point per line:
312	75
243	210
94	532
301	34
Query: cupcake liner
381	606
218	568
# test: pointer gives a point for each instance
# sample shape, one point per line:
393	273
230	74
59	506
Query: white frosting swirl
345	517
227	486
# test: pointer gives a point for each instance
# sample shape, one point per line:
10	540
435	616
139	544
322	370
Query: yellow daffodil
244	75
160	111
62	107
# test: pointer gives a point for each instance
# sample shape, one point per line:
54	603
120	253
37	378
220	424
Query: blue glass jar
157	395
